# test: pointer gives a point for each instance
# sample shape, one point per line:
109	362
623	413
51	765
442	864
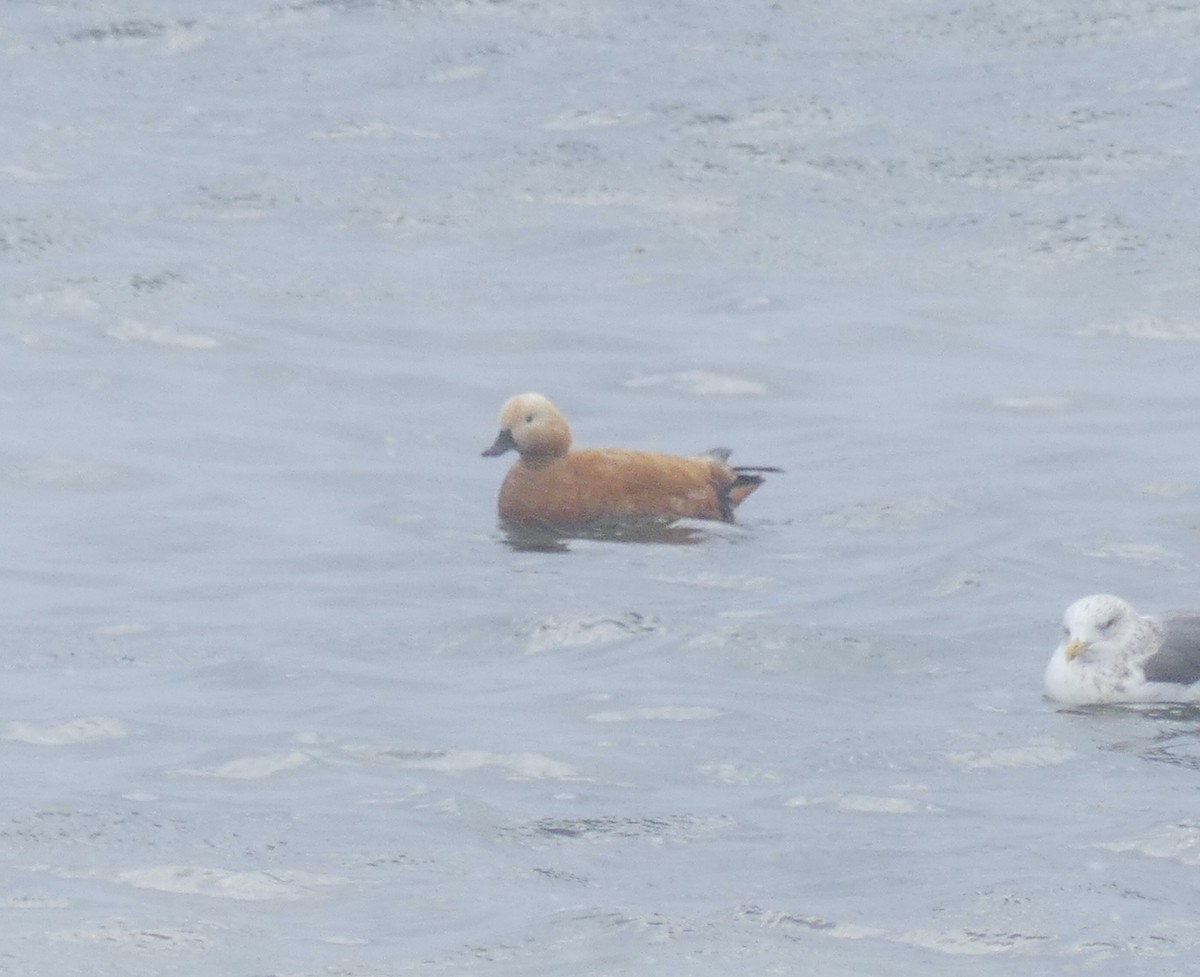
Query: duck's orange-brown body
611	483
554	485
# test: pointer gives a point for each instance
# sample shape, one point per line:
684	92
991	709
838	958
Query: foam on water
223	884
675	714
253	768
70	733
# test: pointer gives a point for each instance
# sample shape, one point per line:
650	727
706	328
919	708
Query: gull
1111	653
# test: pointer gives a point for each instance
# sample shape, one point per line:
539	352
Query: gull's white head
1099	627
1104	642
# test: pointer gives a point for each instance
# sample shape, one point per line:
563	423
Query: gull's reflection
1173	737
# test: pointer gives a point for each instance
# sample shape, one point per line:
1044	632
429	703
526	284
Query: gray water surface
282	698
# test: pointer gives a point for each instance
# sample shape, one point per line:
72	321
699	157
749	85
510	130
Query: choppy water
280	697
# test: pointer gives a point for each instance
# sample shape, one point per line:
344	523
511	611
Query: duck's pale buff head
532	426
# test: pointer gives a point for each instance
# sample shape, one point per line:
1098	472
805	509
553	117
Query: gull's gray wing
1178	657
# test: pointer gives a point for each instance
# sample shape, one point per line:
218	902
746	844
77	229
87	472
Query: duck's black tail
746	479
754	469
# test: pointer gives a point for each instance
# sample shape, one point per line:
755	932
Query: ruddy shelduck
553	485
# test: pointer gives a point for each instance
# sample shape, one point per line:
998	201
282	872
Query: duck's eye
1108	623
528	418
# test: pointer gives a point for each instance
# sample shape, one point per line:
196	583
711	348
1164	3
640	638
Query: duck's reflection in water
534	537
